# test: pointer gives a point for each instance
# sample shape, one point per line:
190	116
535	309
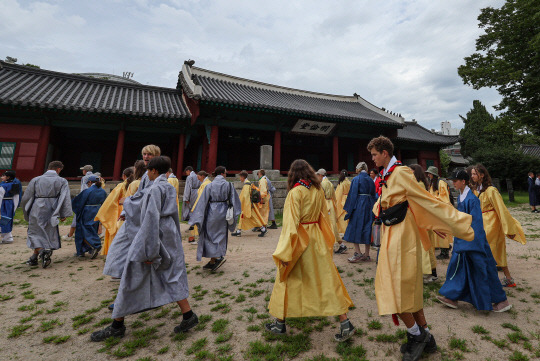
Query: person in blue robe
12	196
86	205
472	272
359	208
533	201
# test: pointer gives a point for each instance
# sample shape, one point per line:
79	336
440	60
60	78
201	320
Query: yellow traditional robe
174	182
497	223
442	194
250	217
398	281
195	232
331	205
264	206
342	191
429	261
309	285
108	215
133	187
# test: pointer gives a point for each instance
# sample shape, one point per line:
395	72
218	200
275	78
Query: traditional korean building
209	119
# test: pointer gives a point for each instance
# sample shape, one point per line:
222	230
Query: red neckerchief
384	179
303	182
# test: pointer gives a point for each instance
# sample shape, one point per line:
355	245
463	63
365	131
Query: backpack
254	194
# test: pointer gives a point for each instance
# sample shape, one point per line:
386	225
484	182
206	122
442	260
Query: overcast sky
398	54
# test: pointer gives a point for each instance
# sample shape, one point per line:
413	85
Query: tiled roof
458	160
211	86
532	150
37	88
414	132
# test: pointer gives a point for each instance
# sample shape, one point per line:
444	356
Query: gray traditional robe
190	194
271	190
146	286
209	216
118	251
45	200
145	182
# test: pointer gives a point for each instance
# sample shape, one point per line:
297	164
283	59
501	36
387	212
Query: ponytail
343	175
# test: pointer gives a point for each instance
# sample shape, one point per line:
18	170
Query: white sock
415	330
263	228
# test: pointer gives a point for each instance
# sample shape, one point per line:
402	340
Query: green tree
508	58
445	162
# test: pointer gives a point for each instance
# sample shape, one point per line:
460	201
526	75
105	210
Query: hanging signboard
313	127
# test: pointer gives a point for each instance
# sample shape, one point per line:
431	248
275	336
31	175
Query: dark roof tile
414	132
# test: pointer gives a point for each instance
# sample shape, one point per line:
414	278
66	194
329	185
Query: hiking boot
188	324
341	249
447	302
431	346
508	282
272	226
95	252
502	306
208	266
219	262
355	258
33	260
45	256
346	332
263	233
236	234
107	332
415	345
276	327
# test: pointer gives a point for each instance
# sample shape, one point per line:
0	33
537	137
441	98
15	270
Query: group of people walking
398	209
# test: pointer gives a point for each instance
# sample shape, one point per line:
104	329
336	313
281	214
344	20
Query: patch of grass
224	348
196	346
109	343
93	310
24	285
83	331
203	321
54	310
28	295
224	337
103	322
55	292
511	327
56	339
240	298
142	339
479	330
18	330
255	293
81	320
515	337
40	302
254	328
374	325
219	325
458	343
518	356
27	308
137	324
49	325
349	352
164	312
245	274
26	319
285	346
252	310
145	316
204	354
222	307
163	350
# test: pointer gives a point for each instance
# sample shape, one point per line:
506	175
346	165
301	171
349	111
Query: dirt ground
48	314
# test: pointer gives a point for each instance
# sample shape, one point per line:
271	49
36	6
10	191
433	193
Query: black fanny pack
394	215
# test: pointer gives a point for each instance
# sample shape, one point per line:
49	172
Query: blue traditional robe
472	272
12	196
85	206
359	208
533	201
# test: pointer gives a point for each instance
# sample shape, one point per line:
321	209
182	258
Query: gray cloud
401	55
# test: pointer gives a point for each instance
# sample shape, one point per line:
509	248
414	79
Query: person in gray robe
271	214
190	192
210	215
45	203
155	272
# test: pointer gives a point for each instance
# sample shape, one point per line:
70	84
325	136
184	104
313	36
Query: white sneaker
428	279
67	238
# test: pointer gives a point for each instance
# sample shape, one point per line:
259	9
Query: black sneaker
95	252
345	333
219	262
107	332
33	260
431	346
276	327
415	345
236	234
341	249
191	228
45	256
272	226
263	233
188	324
110	307
208	266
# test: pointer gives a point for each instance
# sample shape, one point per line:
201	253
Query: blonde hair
151	149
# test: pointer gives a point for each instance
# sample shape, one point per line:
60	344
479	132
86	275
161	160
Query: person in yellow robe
171	178
140	168
202	176
250	217
307	281
110	210
498	222
264	206
331	205
439	189
398	280
342	190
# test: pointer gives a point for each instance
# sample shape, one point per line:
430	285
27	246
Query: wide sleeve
108	212
147	238
187	188
237	207
28	199
79	201
350	203
2	192
431	213
510	225
340	191
198	213
245	201
444	192
263	188
289	248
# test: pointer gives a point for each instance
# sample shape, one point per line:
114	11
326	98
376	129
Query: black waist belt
395	214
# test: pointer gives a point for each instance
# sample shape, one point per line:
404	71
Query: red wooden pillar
335	159
212	151
277	150
43	148
180	156
117	172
